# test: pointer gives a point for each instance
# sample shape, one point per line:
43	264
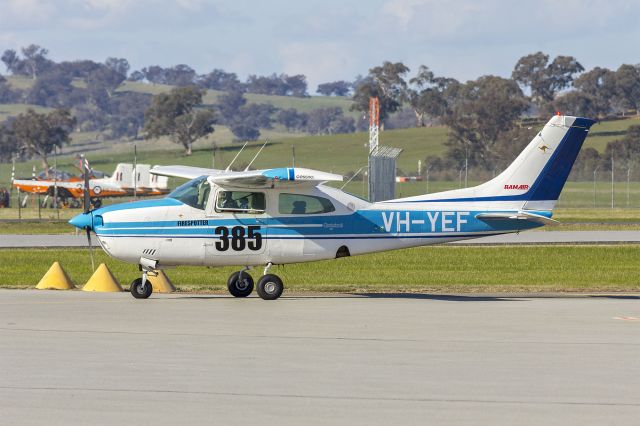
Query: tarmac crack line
363	339
325	397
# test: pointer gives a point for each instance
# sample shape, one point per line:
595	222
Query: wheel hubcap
242	284
270	287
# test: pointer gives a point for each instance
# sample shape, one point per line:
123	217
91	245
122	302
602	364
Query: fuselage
333	224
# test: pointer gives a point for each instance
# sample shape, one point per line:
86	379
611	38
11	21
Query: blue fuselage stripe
360	224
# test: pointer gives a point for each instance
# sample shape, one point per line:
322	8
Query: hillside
337	153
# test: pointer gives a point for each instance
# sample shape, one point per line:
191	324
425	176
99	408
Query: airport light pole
427	173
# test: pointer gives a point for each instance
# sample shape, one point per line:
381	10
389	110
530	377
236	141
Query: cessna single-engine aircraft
286	215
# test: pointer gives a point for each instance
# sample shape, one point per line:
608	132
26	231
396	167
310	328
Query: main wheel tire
270	287
240	287
140	292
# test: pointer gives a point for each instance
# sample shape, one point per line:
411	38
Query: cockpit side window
194	193
304	204
241	202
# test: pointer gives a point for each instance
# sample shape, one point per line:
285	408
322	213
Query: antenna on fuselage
256	156
234	158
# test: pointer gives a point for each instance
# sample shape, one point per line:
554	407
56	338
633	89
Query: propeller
87	206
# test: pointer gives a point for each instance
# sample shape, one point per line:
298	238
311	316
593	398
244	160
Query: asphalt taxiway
546	237
71	357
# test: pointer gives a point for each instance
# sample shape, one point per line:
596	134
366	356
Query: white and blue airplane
287	215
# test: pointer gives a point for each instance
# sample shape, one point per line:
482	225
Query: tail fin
536	177
123	175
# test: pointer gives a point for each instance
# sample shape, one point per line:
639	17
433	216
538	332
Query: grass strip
427	269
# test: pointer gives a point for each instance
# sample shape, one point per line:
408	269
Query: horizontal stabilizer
521	215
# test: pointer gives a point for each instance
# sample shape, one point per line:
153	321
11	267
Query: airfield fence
600	194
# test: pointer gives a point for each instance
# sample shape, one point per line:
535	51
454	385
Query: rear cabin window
240	202
194	193
304	204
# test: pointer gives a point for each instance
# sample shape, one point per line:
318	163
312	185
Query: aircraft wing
266	178
521	215
186	172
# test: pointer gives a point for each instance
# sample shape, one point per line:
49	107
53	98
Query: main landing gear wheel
270	287
240	284
139	291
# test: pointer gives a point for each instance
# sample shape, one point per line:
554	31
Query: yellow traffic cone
55	279
102	280
161	283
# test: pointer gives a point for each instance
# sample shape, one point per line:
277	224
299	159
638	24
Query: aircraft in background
123	182
287	215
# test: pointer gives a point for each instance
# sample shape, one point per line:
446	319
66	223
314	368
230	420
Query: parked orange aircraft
123	182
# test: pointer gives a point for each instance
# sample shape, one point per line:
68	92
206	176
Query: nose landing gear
141	288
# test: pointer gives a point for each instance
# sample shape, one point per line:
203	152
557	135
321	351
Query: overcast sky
327	39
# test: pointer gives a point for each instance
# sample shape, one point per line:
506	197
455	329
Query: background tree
577	103
176	115
154	74
180	75
229	105
136	76
220	80
38	134
625	151
586	162
7	95
599	86
481	111
8	143
118	65
102	84
35	59
544	78
627	92
127	114
11	61
244	131
329	121
292	119
334	88
55	89
385	82
280	85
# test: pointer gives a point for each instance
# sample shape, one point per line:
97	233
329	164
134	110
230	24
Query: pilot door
238	227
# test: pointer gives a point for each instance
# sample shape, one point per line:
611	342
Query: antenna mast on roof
234	158
256	156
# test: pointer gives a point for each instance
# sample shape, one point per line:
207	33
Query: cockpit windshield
194	193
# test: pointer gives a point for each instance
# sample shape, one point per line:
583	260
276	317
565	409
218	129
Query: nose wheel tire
240	286
141	292
270	287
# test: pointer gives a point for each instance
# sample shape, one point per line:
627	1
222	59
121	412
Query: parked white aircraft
286	215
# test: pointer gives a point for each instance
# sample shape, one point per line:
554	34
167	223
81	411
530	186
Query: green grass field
430	269
337	153
604	132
